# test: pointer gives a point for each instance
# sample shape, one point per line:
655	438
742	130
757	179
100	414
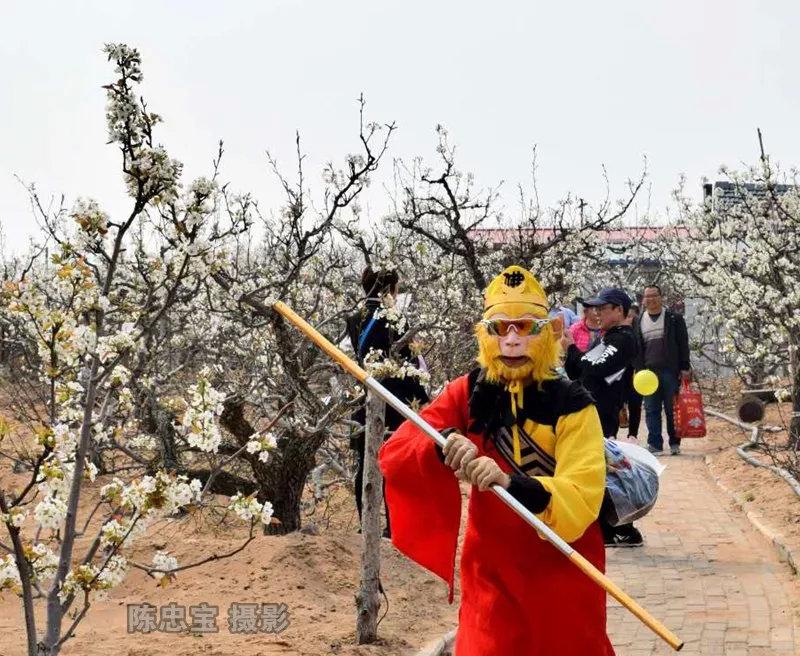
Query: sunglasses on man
523	327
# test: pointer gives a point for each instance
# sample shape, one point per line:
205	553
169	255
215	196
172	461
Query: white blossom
143	442
16	517
50	512
199	422
266	513
9	574
262	444
43	561
163	561
113	573
245	507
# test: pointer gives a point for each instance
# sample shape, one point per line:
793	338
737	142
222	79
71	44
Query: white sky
685	83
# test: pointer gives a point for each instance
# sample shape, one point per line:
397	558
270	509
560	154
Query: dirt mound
316	576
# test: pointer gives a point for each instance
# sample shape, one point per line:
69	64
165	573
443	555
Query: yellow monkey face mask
516	340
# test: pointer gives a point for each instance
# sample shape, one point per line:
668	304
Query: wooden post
368	597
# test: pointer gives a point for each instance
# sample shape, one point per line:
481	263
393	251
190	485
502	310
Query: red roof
610	236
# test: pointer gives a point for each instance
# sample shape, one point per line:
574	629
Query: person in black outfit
602	370
377	327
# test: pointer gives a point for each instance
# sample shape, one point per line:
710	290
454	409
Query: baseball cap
611	295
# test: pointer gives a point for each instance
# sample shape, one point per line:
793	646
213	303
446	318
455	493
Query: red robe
519	595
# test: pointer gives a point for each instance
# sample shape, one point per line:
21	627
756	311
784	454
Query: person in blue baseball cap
602	371
611	296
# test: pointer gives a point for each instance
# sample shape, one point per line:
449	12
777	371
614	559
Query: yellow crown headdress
514	292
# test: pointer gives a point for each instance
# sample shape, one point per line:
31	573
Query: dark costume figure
374	331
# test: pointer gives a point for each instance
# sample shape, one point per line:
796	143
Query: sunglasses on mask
523	327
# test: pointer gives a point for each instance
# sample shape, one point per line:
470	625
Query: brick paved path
704	572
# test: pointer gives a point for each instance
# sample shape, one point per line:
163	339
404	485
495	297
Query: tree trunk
794	424
285	490
368	598
158	420
25	578
280	480
55	609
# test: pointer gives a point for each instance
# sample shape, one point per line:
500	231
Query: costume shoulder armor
489	408
567	396
555	398
485	402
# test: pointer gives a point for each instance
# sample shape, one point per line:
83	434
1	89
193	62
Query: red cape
519	594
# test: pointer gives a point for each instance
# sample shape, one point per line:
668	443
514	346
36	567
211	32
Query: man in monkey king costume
513	422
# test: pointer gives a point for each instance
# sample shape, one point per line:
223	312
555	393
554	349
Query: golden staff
584	565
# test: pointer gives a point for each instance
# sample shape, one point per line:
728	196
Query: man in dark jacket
602	371
602	368
664	349
374	332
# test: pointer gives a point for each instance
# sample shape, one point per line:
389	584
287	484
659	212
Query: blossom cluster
9	574
165	562
262	444
248	508
91	576
92	222
379	366
159	495
200	420
393	318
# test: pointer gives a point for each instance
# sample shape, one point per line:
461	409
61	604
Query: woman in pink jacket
586	332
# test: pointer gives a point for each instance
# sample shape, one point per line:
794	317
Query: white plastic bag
631	482
640	454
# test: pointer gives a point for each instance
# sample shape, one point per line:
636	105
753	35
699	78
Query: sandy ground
316	576
756	490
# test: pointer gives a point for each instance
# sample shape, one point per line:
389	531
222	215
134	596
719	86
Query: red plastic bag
690	419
